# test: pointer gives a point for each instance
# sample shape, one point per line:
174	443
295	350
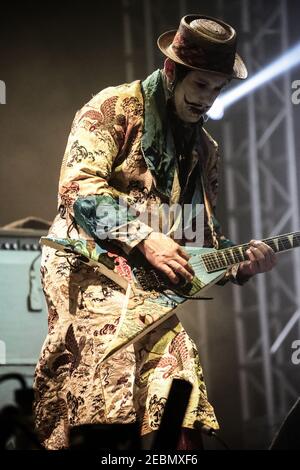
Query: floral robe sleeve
100	133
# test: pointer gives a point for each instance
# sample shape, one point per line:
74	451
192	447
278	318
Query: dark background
53	58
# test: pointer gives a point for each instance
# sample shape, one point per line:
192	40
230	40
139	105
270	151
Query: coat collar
157	143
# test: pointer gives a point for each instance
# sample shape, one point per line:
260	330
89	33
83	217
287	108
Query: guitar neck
222	259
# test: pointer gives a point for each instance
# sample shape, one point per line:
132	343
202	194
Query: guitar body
150	297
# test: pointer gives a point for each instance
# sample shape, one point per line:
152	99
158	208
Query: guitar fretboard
222	259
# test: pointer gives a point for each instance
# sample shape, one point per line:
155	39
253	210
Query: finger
266	250
260	259
169	273
253	262
183	253
261	255
178	268
263	248
263	259
258	254
185	264
251	255
272	256
269	256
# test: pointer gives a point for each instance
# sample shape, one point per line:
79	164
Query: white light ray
281	65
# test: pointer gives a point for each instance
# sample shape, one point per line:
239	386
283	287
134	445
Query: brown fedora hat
204	43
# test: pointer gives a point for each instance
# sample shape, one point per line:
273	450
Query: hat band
212	57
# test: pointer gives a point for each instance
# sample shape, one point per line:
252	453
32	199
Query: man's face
196	93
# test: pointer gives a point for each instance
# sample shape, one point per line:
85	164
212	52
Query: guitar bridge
150	279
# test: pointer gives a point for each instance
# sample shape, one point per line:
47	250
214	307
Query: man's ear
169	68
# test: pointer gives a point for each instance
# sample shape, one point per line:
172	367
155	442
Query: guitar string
214	259
281	239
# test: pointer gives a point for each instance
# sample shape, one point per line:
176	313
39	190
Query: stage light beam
281	65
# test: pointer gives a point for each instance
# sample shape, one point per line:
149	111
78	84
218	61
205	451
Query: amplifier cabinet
23	311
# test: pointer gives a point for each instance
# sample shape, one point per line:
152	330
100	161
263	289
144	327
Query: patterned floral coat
119	145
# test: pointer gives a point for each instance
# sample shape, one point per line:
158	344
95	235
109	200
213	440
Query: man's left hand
261	259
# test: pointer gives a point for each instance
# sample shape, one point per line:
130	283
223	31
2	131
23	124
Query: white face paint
195	95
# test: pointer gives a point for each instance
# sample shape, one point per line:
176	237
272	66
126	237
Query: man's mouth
196	108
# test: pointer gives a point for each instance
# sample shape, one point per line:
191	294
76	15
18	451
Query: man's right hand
167	256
